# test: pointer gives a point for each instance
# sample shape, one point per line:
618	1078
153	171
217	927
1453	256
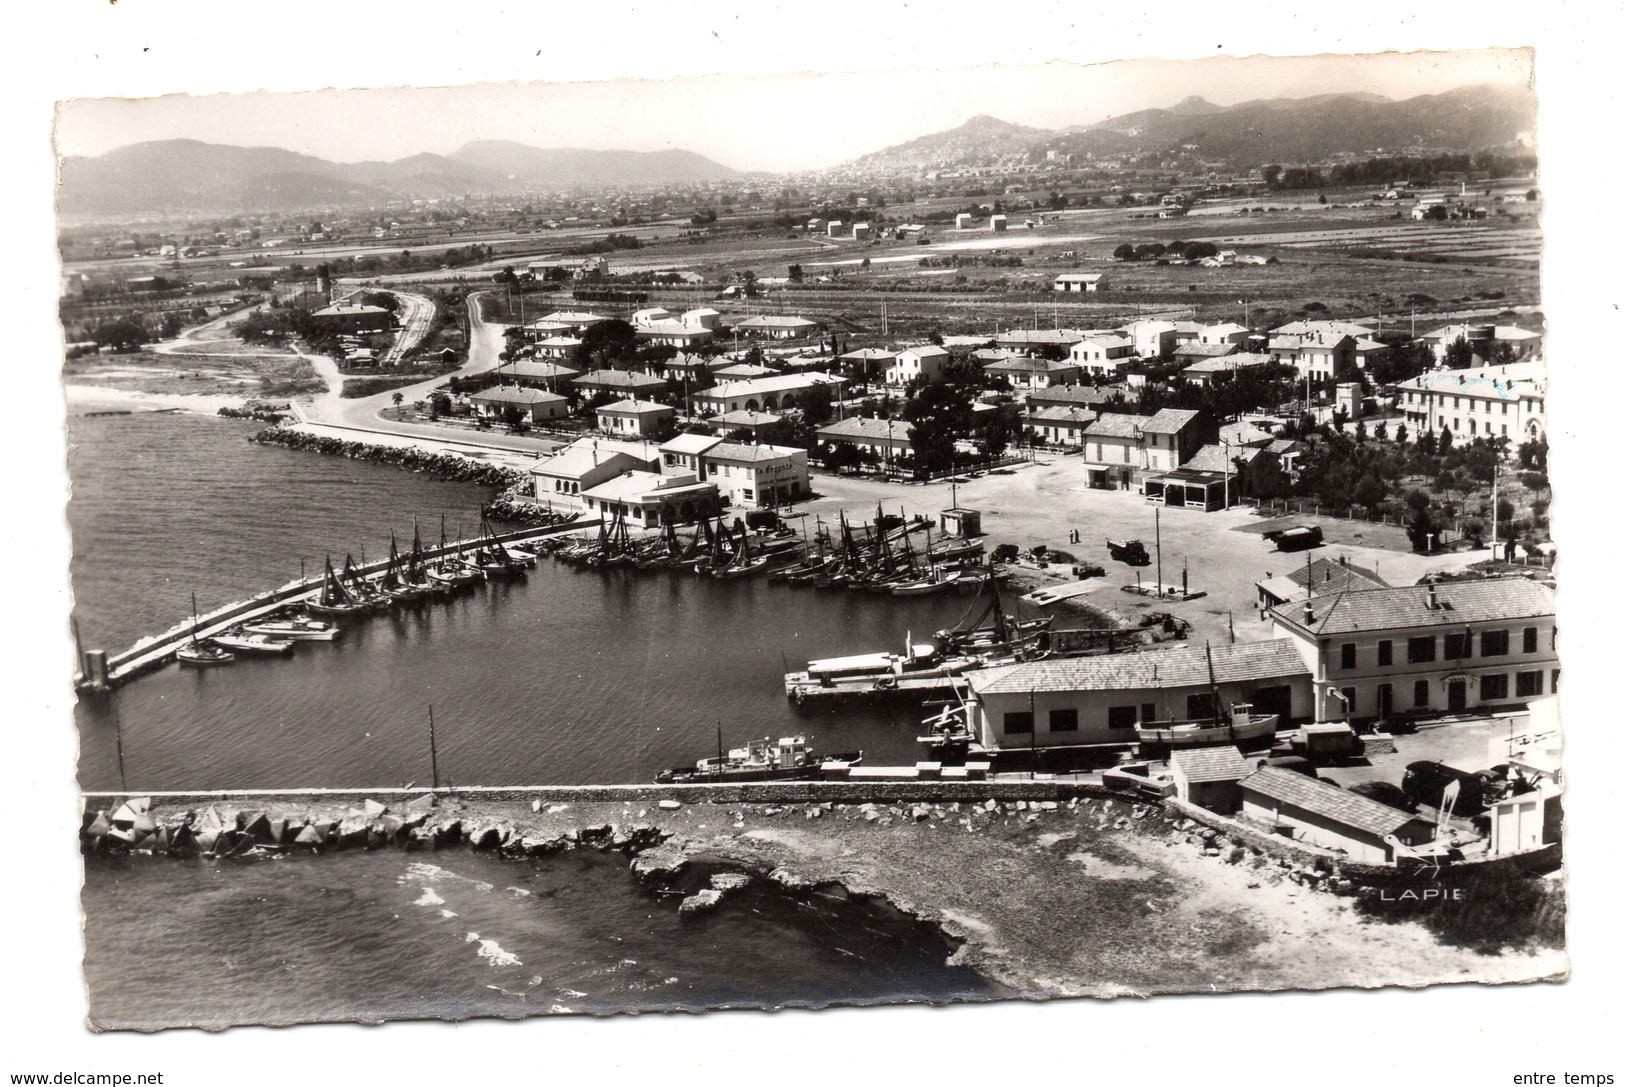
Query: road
332	414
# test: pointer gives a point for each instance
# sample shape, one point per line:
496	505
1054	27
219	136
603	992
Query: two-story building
1172	436
1102	354
1489	402
923	365
1058	425
1092	700
1452	647
757	476
1112	450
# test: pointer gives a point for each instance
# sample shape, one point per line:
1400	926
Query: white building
1489	402
634	418
764	393
924	364
1418	650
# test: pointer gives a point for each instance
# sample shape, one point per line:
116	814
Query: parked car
1296	763
1425	783
1384	792
1087	570
1298	538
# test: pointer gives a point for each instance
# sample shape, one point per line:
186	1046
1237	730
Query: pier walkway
154	652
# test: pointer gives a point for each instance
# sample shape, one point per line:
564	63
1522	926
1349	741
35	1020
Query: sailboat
201	653
743	563
392	582
449	569
333	598
1243	729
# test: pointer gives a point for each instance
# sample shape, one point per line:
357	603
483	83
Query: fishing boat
298	628
239	640
988	628
450	569
201	652
362	590
392	582
333	598
762	760
1243	729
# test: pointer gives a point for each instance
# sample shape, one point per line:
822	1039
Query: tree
1381	431
817	405
1422	529
1427	444
396	399
796	273
1437	213
1459	355
1402	434
1125	252
1445	440
608	344
120	335
1359	432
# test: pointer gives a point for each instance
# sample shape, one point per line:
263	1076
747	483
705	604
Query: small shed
1209	777
963	523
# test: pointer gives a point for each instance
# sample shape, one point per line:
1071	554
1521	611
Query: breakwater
101	672
450	466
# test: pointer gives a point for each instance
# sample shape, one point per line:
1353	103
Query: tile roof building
1326	817
1506	401
1083	700
1416	651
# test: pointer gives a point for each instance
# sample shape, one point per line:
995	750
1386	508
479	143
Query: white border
91	47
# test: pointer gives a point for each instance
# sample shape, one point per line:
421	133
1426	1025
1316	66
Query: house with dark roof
1173	435
633	418
1058	425
1323	816
627	383
1068	396
1452	647
538	405
883	437
551	376
1024	372
1090	700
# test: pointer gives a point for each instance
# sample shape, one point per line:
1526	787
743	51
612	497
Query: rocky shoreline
1087	896
449	466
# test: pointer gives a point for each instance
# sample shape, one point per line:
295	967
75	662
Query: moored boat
762	760
202	653
299	628
238	640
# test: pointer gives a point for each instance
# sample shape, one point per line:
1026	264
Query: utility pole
1158	521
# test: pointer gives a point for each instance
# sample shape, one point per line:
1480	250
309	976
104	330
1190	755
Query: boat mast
434	757
1213	683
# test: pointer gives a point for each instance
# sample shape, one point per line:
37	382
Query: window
1148	711
1531	684
1419	696
1531	638
1458	646
1120	717
1349	697
1019	723
1200	706
1494	643
1421	650
1492	688
1349	655
1385	654
1063	720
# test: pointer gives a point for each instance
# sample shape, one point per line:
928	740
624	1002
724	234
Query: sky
753	122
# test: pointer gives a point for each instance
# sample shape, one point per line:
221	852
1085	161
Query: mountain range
1254	133
193	176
